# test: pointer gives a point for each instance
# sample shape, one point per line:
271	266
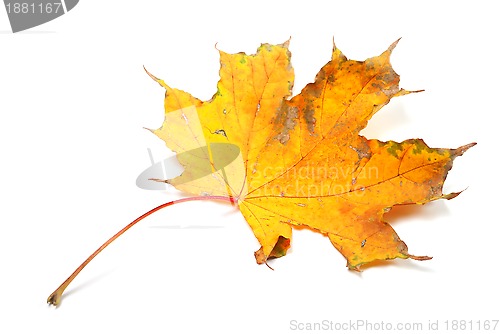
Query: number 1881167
468	325
32	8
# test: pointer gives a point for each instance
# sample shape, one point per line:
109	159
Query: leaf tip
416	91
158	80
336	53
267	264
150	75
393	45
452	195
286	43
356	268
419	258
159	180
406	92
462	149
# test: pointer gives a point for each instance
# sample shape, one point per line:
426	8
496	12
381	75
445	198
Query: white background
73	103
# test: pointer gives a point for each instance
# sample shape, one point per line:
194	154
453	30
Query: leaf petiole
55	297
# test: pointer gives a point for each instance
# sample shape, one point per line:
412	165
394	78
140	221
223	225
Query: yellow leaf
300	161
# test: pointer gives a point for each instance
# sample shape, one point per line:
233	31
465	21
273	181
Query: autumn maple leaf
299	161
302	161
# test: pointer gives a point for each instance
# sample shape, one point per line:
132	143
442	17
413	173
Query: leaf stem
55	297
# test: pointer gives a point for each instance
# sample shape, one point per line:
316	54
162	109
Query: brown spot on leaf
309	118
285	121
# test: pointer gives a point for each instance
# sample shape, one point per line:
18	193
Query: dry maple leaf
303	160
300	161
